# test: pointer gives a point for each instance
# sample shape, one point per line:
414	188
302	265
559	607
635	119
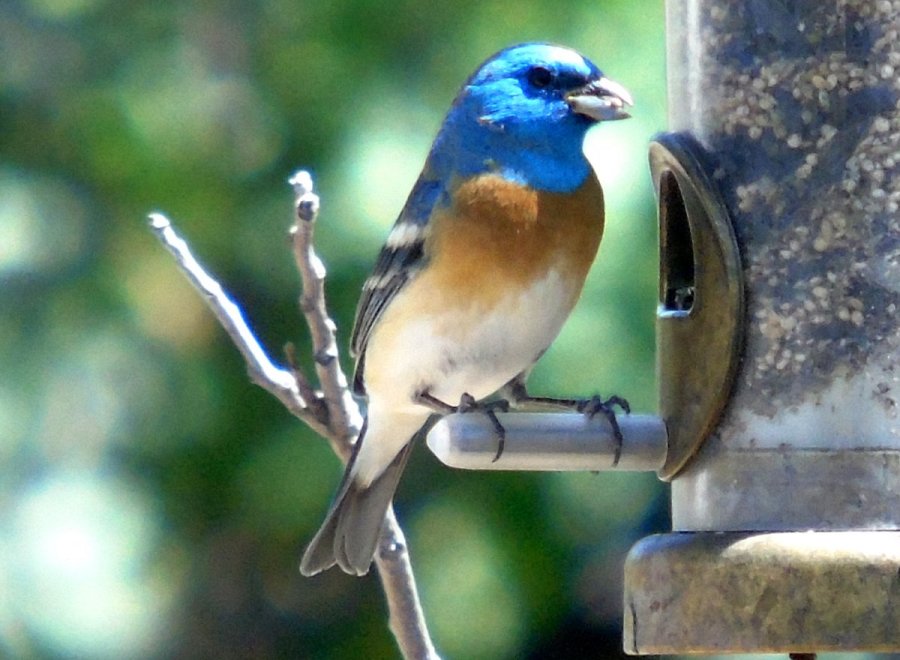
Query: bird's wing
400	260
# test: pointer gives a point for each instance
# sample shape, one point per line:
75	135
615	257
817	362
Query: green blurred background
152	501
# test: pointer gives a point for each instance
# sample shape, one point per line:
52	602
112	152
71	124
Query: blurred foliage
152	501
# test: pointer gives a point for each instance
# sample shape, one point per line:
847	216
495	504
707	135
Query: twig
345	420
263	372
333	413
407	621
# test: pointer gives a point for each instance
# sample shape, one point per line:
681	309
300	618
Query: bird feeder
786	515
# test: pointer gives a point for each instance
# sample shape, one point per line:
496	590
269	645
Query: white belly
464	350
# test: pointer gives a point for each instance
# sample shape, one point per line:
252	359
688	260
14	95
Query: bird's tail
349	535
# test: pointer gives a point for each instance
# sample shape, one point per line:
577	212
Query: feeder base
787	592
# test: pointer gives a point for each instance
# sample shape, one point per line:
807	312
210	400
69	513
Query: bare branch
263	372
333	413
407	620
345	420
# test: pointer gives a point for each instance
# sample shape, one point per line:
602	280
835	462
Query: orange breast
498	236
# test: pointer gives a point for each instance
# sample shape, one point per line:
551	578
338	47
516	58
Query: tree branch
407	620
331	412
344	418
280	383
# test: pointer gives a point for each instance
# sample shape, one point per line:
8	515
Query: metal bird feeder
786	521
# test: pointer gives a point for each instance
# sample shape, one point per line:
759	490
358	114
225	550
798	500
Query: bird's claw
596	404
468	404
588	407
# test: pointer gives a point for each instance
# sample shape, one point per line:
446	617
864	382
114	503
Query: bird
479	272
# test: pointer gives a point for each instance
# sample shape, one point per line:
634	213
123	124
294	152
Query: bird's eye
540	77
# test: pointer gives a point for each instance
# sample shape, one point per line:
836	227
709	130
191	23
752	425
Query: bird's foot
468	404
589	407
597	404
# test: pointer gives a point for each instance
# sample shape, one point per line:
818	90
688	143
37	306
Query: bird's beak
601	100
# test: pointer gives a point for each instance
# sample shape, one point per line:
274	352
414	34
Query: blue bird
478	274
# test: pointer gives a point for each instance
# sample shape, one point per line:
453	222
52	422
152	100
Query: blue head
524	114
